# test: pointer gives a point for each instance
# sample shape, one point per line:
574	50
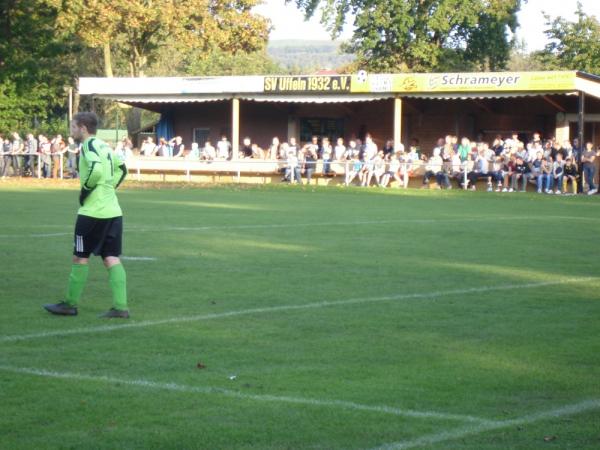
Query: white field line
240	395
273	309
142	229
568	410
138	258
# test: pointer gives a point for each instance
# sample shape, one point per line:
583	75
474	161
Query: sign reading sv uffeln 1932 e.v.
303	84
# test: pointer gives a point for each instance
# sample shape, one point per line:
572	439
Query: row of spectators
20	156
505	164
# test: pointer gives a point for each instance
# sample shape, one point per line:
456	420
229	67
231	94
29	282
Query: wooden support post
235	128
397	122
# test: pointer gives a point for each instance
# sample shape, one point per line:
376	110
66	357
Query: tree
423	35
573	45
142	27
35	64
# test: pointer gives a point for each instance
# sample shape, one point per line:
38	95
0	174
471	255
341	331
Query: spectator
7	157
246	150
223	148
46	152
17	149
588	158
340	149
571	174
209	153
434	168
292	171
31	151
194	153
178	148
521	172
326	155
72	156
536	170
558	172
546	181
57	149
310	161
148	147
388	148
273	153
163	148
464	149
393	171
259	153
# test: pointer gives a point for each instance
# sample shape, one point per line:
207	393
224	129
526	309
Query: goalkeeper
99	226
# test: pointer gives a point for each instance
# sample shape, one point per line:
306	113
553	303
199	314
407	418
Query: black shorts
98	236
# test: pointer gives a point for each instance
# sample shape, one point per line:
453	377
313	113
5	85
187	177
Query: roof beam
554	103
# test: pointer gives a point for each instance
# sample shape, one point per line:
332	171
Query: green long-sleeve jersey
101	172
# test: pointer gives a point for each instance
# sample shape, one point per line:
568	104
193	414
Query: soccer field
297	318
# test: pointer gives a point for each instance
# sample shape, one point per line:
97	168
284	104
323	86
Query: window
322	127
200	136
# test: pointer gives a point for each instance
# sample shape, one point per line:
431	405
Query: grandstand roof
340	88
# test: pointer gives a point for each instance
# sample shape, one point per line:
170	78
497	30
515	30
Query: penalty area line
147	384
471	430
273	309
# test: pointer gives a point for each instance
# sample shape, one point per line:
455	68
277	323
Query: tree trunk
108	71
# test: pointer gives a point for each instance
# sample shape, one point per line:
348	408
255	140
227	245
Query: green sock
118	283
77	279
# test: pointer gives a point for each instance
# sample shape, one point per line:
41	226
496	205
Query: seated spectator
292	170
163	148
259	153
178	148
547	178
508	170
393	171
246	150
355	168
571	174
310	161
536	170
148	147
340	149
274	151
388	148
223	149
434	168
208	152
379	164
194	153
521	172
464	149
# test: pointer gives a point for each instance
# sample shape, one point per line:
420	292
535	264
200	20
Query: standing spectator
293	146
326	155
7	158
72	155
588	158
259	153
46	152
310	161
223	148
570	173
31	149
57	149
370	147
178	147
17	148
292	172
558	172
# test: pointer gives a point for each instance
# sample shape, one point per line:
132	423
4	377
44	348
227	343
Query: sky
289	22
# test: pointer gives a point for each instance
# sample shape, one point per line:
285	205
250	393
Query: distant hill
306	56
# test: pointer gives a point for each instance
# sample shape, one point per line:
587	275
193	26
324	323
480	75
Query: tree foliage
573	45
34	64
138	29
423	35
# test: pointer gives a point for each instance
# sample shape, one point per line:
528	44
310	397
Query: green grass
302	374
